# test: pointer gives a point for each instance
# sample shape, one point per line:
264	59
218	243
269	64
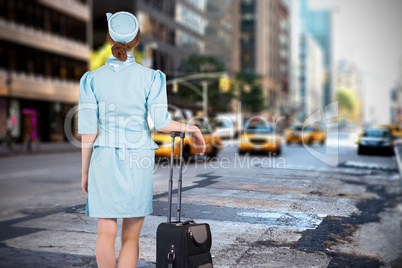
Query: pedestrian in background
117	97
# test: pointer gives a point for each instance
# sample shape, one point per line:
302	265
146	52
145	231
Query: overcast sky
368	32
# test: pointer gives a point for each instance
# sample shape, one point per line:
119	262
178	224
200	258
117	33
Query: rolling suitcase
182	244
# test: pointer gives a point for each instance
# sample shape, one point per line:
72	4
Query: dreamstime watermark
329	117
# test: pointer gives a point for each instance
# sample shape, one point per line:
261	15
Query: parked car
260	137
310	134
376	141
164	141
224	128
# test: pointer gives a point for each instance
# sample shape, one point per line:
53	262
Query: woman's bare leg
130	235
105	243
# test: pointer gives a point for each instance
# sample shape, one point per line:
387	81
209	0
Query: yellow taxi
164	142
310	134
259	138
395	130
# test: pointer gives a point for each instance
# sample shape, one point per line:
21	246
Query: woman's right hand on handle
196	134
198	140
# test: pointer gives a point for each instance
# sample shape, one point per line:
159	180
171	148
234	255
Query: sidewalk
42	148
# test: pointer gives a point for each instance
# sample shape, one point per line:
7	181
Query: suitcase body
182	244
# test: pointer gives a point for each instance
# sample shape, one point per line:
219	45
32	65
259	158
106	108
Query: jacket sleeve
157	101
87	106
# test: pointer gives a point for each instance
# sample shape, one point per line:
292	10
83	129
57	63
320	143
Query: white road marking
23	174
307	220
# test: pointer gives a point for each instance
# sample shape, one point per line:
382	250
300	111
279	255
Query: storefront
35	121
37	109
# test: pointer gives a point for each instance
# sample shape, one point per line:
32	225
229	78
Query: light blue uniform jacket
117	97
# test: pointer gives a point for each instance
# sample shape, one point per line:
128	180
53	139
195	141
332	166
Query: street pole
205	98
9	81
204	93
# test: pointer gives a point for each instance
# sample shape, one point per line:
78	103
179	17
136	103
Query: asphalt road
341	149
264	211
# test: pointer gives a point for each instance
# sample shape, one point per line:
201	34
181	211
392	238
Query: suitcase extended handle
175	134
185	222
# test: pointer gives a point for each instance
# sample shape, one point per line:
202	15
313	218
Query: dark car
376	141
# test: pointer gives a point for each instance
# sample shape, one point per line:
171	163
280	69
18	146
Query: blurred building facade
347	76
311	75
285	58
265	48
44	52
396	105
294	89
171	30
396	101
318	24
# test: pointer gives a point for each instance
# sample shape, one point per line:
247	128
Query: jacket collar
114	64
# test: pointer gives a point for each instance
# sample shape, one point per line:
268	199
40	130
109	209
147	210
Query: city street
262	213
306	87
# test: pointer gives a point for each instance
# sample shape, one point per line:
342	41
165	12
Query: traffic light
224	84
175	88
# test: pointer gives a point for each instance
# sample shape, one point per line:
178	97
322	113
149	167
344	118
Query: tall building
396	105
318	23
285	59
348	76
311	75
265	48
44	52
294	91
396	102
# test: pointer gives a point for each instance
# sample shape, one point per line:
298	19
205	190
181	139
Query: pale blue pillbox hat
123	26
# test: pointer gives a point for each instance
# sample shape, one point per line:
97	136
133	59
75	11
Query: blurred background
320	188
264	57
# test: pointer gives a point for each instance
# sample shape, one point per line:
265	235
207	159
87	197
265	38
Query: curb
398	154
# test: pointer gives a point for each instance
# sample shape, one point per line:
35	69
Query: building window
246	56
283	69
247	2
199	4
248	16
190	19
247	37
34	15
23	59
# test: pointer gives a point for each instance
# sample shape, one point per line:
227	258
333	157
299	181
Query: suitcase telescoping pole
174	134
179	188
169	217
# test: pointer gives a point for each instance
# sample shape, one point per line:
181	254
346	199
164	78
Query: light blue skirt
120	182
